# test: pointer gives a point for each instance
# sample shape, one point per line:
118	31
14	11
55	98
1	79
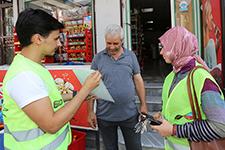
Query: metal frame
3	4
223	42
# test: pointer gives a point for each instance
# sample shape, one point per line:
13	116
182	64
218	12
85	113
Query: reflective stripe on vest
19	136
176	146
58	141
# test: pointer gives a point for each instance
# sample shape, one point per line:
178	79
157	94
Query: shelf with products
76	39
78	43
7	41
17	50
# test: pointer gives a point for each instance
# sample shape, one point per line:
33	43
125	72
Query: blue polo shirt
117	76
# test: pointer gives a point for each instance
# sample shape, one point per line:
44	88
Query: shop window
77	36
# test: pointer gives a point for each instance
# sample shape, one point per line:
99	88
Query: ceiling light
146	10
150	21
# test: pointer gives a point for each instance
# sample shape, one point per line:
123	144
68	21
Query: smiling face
50	43
113	43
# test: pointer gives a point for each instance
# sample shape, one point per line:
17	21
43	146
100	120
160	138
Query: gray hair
114	29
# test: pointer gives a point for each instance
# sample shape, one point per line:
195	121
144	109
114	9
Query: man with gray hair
121	75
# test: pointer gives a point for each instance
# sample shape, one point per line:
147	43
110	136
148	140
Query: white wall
106	12
18	5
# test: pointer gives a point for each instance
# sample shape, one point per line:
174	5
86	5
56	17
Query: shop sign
183	6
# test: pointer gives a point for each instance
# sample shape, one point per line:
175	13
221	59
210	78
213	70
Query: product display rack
78	42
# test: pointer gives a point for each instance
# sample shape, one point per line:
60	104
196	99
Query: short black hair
35	21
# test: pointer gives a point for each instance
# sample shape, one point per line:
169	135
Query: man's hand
144	109
92	120
91	97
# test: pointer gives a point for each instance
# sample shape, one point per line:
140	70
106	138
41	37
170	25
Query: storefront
149	20
208	24
143	22
204	19
85	21
82	37
102	12
77	36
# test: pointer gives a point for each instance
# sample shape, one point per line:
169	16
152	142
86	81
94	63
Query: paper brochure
100	91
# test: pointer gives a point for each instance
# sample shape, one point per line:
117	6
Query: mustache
115	49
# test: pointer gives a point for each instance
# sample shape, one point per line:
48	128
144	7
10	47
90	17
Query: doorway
149	20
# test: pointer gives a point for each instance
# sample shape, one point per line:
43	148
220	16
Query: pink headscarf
182	46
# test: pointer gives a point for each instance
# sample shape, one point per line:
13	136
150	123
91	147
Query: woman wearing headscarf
179	47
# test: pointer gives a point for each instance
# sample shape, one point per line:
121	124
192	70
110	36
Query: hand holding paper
92	79
100	91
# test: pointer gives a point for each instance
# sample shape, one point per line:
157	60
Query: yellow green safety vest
177	103
20	132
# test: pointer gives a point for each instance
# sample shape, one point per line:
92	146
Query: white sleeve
26	88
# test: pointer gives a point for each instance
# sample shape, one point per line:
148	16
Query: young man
121	75
35	115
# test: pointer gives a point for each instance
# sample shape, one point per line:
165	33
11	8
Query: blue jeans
108	130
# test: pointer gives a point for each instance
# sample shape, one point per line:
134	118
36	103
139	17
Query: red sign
2	74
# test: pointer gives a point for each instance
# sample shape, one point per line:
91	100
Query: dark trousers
108	130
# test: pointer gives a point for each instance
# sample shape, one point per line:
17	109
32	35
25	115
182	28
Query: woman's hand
158	116
165	129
